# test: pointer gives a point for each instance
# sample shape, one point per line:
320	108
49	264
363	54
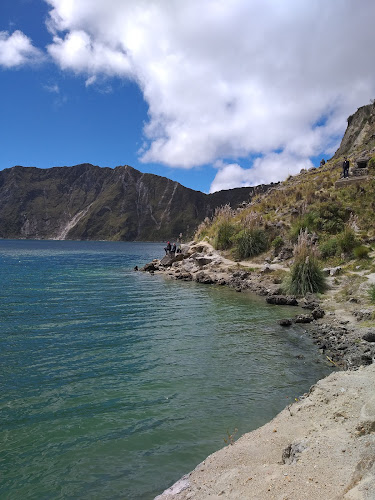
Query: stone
303	318
282	300
285	322
150	267
369	337
317	313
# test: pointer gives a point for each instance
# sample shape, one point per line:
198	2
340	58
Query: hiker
322	162
345	167
167	248
174	249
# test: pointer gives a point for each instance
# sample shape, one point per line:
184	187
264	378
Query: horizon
212	96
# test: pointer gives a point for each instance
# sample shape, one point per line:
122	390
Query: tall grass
306	275
250	242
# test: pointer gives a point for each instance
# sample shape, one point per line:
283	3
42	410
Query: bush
327	216
306	275
371	293
329	248
224	234
347	241
361	252
277	244
250	242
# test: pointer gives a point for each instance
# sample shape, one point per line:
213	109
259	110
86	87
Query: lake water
114	383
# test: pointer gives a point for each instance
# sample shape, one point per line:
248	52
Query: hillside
338	216
86	202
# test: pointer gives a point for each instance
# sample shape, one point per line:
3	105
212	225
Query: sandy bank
322	447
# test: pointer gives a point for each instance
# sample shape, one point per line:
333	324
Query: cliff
86	202
360	132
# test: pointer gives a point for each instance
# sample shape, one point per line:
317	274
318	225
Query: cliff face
92	203
360	132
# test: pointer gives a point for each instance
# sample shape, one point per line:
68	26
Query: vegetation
306	275
371	293
250	242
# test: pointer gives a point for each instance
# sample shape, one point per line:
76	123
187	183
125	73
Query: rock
266	269
332	271
292	452
285	322
303	318
150	267
282	300
369	337
285	253
317	313
167	260
201	277
363	314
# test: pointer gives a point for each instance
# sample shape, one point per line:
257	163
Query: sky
214	94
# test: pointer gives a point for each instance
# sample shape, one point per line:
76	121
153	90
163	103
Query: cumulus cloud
16	50
226	80
270	168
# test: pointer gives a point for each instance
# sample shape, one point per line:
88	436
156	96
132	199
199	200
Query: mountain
87	202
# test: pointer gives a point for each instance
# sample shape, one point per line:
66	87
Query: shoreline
288	458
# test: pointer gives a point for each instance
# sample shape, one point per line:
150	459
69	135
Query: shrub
347	241
306	275
329	248
250	242
361	252
277	244
224	234
371	293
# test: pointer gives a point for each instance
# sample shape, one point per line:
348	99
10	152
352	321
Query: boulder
303	318
282	300
285	322
369	336
150	267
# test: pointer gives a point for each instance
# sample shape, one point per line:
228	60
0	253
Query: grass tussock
306	275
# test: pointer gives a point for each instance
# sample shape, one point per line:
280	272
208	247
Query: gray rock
303	318
292	452
369	337
285	322
282	300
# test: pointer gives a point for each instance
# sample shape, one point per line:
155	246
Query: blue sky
213	94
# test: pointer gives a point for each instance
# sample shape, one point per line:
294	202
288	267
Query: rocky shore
338	330
321	447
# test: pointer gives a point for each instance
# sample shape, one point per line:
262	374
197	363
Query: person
322	162
174	248
167	248
345	167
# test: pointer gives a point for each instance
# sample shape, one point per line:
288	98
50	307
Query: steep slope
88	202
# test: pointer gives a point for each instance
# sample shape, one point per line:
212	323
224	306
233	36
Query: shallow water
115	383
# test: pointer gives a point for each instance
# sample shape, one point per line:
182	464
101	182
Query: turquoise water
115	383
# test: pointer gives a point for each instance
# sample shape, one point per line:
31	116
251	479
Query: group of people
172	249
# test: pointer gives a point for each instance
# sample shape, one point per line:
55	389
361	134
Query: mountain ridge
89	202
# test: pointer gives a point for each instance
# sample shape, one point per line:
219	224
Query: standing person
174	249
322	162
345	167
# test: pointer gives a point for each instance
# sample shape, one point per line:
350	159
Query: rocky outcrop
360	132
86	202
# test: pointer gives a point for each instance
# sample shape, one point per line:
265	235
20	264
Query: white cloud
17	49
225	80
270	168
